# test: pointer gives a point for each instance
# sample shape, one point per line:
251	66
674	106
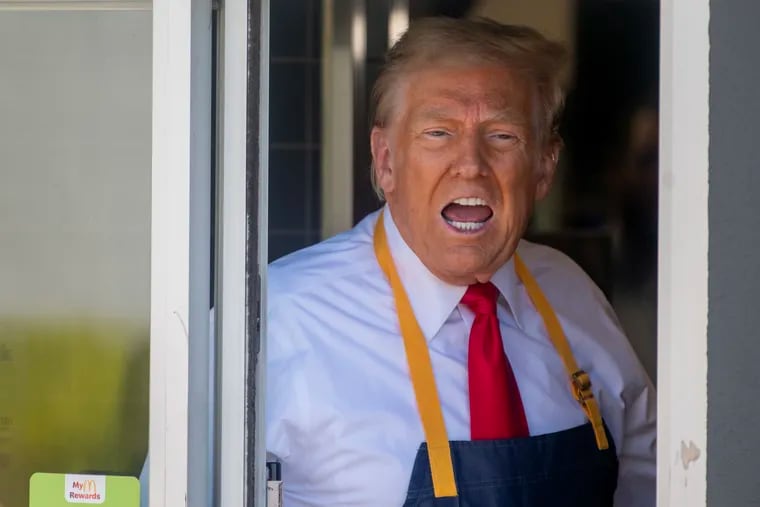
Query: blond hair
435	40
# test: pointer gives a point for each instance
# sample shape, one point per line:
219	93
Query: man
432	323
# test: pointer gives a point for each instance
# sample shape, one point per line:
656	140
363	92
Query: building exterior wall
733	344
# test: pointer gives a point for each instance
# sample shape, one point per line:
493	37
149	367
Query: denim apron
574	467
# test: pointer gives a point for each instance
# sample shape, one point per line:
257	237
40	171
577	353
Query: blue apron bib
564	468
574	467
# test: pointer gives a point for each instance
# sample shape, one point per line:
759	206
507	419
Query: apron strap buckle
581	382
582	386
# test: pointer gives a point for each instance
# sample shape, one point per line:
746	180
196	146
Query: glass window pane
75	152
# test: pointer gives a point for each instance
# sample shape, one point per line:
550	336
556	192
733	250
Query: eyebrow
436	113
508	115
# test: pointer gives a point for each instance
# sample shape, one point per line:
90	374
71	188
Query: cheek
422	173
518	188
516	178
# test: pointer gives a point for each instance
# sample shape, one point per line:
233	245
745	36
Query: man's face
461	167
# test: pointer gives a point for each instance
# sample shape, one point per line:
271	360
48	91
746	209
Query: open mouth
467	214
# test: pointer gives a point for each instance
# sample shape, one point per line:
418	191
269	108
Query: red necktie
496	409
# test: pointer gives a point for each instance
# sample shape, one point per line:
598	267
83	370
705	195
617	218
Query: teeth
470	201
466	226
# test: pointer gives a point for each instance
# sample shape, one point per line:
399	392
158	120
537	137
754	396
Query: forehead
459	89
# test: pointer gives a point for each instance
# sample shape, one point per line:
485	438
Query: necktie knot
481	298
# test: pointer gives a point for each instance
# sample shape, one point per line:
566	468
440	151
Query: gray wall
733	437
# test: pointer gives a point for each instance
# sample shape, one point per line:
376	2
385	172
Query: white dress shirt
341	414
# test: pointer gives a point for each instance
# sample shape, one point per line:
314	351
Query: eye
502	136
436	133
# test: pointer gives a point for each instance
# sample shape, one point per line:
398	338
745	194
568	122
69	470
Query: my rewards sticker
85	488
65	490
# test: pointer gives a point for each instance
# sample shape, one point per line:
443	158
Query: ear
547	166
381	159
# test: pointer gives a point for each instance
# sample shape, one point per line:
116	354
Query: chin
464	269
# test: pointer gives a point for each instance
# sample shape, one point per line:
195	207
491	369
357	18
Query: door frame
683	253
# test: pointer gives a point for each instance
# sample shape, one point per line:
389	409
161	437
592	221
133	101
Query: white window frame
182	353
180	32
683	260
231	275
170	247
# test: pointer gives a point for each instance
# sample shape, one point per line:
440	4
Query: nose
471	161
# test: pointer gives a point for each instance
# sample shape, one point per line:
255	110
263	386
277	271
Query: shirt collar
431	298
510	286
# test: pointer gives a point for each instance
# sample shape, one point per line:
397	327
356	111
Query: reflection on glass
75	139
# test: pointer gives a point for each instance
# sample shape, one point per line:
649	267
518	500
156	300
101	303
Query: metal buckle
582	386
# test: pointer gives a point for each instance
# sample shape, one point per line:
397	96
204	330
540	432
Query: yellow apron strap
421	372
579	380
